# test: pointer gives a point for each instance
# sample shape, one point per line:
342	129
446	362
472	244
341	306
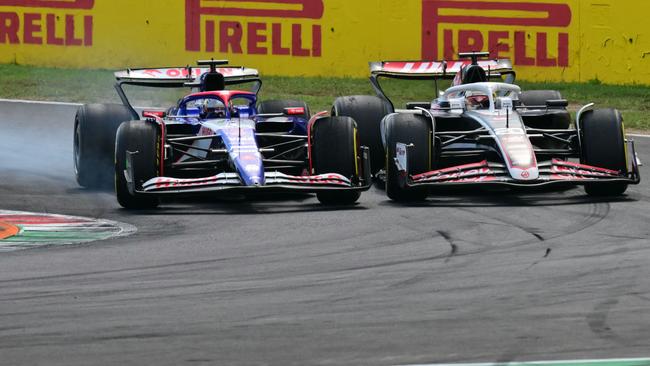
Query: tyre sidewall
407	129
603	146
335	150
141	137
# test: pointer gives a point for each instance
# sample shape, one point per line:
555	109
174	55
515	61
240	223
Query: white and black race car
481	132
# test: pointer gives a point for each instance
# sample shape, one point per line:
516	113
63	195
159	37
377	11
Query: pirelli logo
255	27
46	22
502	28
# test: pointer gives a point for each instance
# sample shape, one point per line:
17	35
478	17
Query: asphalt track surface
461	278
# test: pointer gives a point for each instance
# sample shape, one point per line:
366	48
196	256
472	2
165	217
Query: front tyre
407	129
334	150
603	146
140	140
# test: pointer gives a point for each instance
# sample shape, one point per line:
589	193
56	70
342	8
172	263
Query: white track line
533	363
39	102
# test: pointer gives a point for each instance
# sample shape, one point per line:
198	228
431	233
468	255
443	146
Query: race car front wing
554	171
274	182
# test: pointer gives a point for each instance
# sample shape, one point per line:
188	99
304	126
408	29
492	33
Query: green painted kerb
37	230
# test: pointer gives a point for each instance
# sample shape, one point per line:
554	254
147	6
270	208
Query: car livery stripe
455	169
408	67
424	67
585	167
231	179
483	171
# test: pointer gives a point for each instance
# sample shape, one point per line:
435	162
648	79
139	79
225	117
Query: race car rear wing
436	70
178	77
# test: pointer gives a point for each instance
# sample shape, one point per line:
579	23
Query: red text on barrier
233	34
509	35
46	27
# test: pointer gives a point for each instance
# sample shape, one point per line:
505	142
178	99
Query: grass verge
86	86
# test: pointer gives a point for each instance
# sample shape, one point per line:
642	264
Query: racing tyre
278	106
334	151
603	146
538	97
557	119
143	138
407	129
367	111
95	126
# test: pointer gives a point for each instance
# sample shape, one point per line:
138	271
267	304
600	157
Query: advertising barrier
554	40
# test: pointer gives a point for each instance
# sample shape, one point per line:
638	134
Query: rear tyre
557	119
94	143
334	151
538	97
367	111
143	138
603	146
407	129
278	106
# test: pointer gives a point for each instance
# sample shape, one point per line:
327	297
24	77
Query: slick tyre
407	129
603	146
95	126
278	106
553	120
367	111
140	140
538	97
334	150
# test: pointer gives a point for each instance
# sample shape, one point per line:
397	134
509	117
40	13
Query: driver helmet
213	108
477	101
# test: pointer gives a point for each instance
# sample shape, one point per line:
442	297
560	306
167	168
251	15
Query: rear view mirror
294	111
154	114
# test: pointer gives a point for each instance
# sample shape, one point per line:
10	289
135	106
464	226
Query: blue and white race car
215	140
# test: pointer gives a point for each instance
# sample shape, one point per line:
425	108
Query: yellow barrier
569	40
